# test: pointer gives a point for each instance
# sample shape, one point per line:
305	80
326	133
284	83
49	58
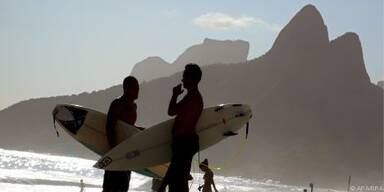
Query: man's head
131	87
191	76
204	165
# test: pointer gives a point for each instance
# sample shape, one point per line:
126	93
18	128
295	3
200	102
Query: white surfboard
87	126
152	146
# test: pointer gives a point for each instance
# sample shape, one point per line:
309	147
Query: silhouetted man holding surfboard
185	141
123	108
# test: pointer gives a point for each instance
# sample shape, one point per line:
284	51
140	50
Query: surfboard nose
62	113
248	111
242	110
69	116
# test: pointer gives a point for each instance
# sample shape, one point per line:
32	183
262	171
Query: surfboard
87	126
152	146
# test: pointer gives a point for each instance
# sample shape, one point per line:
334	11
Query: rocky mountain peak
305	31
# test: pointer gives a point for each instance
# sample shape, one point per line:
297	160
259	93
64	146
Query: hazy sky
57	47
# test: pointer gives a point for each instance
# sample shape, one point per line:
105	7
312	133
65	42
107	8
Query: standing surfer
122	108
185	141
208	177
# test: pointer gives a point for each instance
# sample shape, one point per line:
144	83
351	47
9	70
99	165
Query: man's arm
111	123
213	183
172	108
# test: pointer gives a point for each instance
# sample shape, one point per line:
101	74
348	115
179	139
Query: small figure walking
311	186
208	177
81	185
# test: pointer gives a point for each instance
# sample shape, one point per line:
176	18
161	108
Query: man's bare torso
188	112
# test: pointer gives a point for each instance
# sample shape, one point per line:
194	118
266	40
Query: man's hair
204	163
129	82
194	71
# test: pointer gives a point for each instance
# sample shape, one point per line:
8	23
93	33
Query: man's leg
192	146
179	182
115	181
177	177
187	166
128	179
168	176
106	182
184	158
123	180
176	183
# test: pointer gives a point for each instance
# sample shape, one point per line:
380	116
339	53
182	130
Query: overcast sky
61	47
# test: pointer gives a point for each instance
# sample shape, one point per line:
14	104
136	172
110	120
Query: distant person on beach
208	177
122	108
185	141
311	186
81	185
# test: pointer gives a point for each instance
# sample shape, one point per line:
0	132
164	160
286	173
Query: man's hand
172	108
177	90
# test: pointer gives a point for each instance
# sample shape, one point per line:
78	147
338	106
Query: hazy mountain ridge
380	84
311	124
209	52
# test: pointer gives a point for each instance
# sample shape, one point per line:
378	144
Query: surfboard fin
54	112
230	133
246	130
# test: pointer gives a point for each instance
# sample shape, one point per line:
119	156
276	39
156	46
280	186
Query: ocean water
29	172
